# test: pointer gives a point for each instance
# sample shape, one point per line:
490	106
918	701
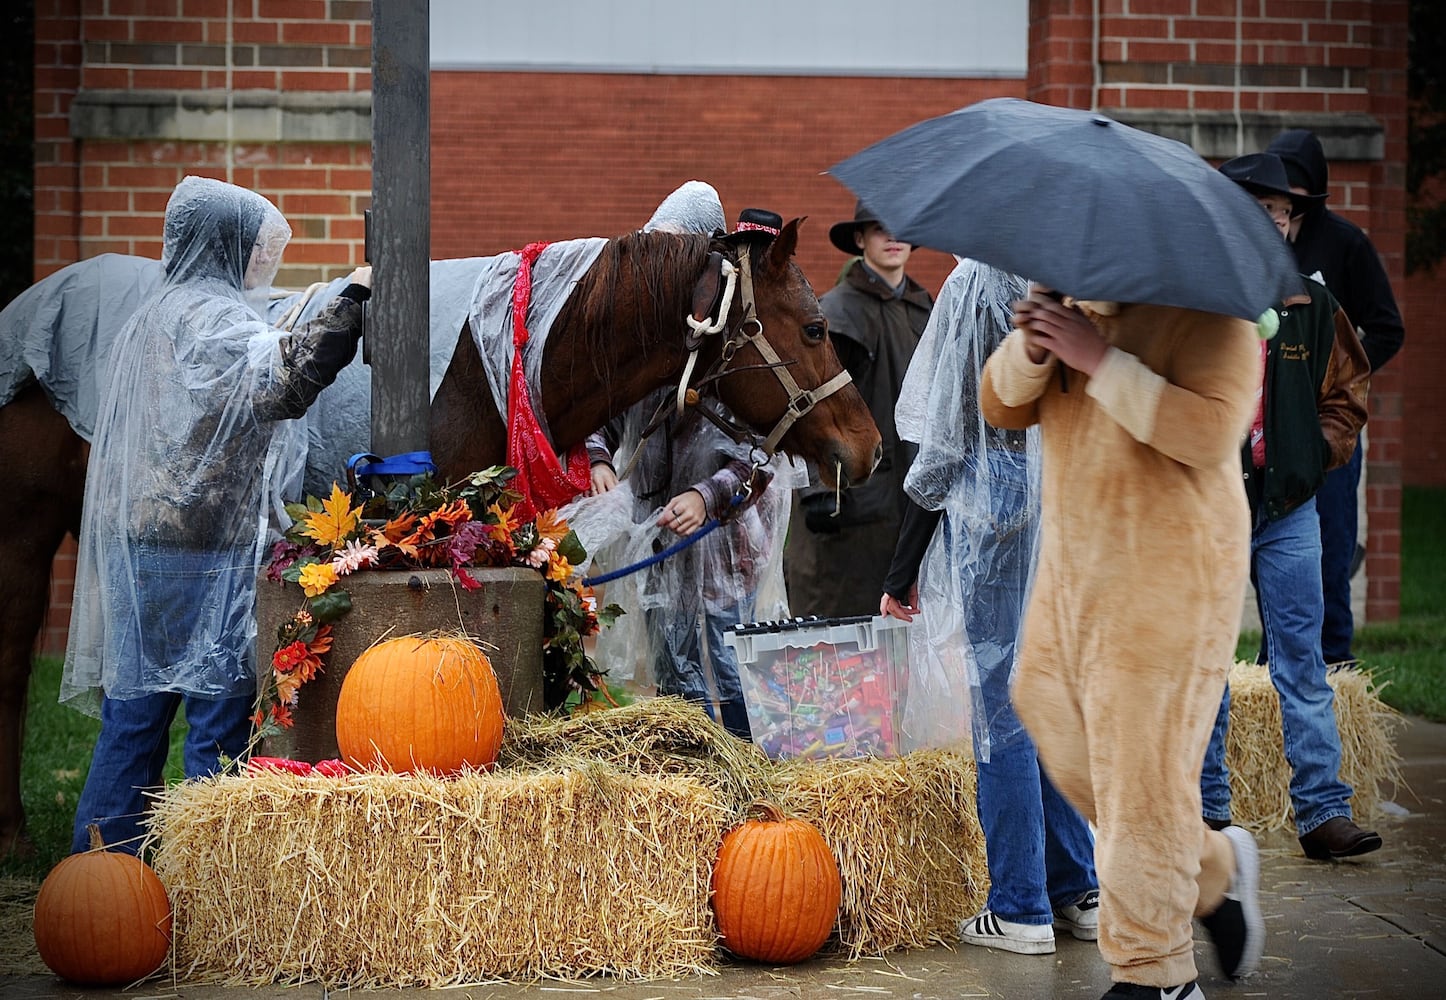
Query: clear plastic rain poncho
975	576
736	572
190	462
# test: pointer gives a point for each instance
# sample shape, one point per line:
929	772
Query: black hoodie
1340	252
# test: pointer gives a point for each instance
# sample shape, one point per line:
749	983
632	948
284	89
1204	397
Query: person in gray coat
836	561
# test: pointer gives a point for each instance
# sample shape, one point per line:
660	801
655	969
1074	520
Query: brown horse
621	335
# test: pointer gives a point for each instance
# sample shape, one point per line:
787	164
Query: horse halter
749	331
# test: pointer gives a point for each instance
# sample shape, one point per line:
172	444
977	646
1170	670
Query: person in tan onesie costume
1131	628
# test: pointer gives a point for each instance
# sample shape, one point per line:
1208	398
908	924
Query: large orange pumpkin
420	703
102	918
776	888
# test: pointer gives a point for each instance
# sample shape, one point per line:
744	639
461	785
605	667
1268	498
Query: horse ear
709	287
784	244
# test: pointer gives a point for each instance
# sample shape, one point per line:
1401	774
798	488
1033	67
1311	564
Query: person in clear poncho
196	444
689	471
964	561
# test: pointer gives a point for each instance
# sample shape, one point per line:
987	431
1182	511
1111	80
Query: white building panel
963	38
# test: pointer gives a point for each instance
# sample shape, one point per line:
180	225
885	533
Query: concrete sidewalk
1372	927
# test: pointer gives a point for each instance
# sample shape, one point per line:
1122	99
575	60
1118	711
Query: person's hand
604	478
818	514
361	276
891	607
1066	333
1023	313
684	514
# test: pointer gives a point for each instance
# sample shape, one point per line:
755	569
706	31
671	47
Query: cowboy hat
841	234
1265	173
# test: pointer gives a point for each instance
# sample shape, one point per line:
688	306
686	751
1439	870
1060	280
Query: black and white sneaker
990	931
1189	991
1237	927
1080	916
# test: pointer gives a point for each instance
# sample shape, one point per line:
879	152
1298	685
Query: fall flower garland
415	525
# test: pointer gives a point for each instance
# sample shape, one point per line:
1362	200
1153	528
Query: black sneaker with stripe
1189	991
1237	928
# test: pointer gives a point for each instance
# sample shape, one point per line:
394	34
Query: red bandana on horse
543	483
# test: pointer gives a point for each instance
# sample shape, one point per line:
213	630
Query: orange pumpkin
776	888
420	703
102	918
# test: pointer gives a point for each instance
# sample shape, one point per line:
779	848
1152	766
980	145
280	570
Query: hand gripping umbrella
1078	202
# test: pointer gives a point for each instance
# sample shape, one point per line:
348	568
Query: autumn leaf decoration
334	523
419	524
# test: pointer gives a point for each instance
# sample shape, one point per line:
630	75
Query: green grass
1408	656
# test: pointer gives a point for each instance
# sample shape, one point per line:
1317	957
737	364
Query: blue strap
656	558
671	550
408	463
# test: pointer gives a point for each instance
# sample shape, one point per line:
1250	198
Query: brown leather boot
1339	838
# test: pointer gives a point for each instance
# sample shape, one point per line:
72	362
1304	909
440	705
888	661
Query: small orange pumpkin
102	918
420	703
776	888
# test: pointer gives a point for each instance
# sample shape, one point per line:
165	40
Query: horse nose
878	457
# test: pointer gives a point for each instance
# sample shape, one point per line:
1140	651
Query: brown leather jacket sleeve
1342	401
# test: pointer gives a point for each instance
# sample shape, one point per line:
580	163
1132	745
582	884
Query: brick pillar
1386	197
1061	53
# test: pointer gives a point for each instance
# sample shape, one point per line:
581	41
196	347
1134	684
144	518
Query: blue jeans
130	758
686	646
180	620
1038	848
1285	558
1335	502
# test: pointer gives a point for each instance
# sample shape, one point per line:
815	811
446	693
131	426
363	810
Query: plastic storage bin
823	687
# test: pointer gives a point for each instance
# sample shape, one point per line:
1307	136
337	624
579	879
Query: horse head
777	369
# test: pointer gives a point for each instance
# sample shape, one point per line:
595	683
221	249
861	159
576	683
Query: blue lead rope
655	558
671	550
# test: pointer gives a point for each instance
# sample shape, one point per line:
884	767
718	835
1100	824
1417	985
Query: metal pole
402	225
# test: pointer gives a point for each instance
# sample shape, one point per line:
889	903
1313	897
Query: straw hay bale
18	956
906	836
384	880
1255	754
659	736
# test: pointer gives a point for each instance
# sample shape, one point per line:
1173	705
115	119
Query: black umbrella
1078	202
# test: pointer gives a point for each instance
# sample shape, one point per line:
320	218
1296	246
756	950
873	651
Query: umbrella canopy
1078	202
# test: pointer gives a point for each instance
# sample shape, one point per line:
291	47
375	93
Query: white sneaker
1023	939
1081	917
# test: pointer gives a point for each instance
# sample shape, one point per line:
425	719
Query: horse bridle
748	331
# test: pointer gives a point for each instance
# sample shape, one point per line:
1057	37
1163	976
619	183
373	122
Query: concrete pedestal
505	614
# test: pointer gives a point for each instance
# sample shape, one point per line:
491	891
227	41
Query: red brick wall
1282	57
94	197
1292	55
518	157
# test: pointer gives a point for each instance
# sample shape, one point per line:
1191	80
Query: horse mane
641	285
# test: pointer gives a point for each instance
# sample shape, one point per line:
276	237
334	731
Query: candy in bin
828	684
